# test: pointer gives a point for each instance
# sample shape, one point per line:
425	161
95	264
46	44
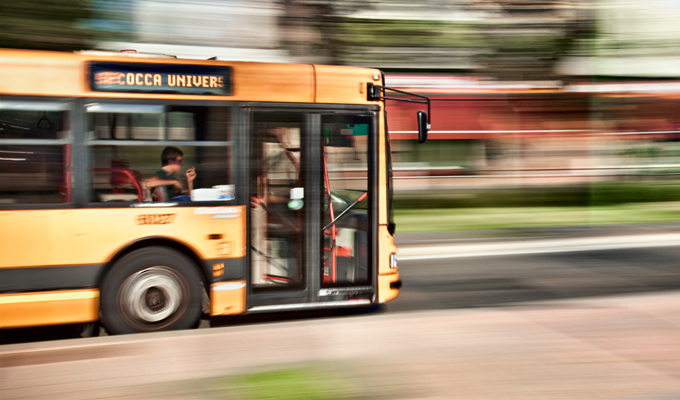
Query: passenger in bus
167	186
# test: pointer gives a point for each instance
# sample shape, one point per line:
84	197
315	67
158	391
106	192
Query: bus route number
155	219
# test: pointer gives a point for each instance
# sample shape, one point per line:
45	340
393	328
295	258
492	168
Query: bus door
310	220
278	248
348	220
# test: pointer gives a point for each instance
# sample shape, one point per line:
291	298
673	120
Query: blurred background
544	112
549	118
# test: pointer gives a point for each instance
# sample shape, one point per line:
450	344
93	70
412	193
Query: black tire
149	290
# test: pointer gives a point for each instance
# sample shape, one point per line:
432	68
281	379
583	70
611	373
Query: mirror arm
375	92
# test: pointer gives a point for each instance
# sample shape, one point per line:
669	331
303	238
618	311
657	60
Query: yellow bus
148	191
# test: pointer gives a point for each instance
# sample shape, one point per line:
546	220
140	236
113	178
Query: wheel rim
152	295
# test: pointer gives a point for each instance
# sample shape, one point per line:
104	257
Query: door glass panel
345	183
277	202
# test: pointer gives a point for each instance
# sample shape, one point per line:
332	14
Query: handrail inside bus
342	214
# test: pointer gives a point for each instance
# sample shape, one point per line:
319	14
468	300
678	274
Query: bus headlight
393	260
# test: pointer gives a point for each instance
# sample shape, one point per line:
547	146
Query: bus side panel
62	74
93	236
69	249
46	73
338	84
48	308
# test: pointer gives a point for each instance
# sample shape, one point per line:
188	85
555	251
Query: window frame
88	143
69	106
313	113
372	187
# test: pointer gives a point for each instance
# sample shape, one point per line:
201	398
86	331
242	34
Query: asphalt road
500	280
607	348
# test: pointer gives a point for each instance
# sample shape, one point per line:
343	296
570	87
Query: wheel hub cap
151	295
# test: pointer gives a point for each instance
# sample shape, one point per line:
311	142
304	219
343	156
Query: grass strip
299	383
456	219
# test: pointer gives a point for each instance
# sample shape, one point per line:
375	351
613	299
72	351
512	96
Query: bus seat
126	184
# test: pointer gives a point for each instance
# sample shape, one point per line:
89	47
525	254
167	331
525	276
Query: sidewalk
596	348
432	245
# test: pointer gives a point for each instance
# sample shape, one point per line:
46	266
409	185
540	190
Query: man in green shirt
168	187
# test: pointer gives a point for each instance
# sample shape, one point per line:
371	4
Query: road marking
538	247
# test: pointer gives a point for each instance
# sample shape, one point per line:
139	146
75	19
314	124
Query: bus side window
120	165
32	173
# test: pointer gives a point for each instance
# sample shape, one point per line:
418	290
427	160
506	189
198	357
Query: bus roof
60	74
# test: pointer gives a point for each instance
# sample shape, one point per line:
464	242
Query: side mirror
422	126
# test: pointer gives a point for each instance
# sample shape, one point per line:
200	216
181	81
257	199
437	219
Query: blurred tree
44	24
505	39
112	20
527	38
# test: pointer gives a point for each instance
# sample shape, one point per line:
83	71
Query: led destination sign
160	78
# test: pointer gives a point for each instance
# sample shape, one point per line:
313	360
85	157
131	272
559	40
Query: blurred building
544	86
633	39
235	30
499	39
502	39
548	133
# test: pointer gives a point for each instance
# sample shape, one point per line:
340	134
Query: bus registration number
155	219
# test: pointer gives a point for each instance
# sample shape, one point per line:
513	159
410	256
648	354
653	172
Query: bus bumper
388	287
228	298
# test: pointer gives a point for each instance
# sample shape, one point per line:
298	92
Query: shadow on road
65	332
293	316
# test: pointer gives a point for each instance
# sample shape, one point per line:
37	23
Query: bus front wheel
151	289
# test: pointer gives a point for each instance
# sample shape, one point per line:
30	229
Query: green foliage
291	383
440	153
44	24
399	43
407	33
612	193
441	34
596	194
577	195
509	218
598	203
